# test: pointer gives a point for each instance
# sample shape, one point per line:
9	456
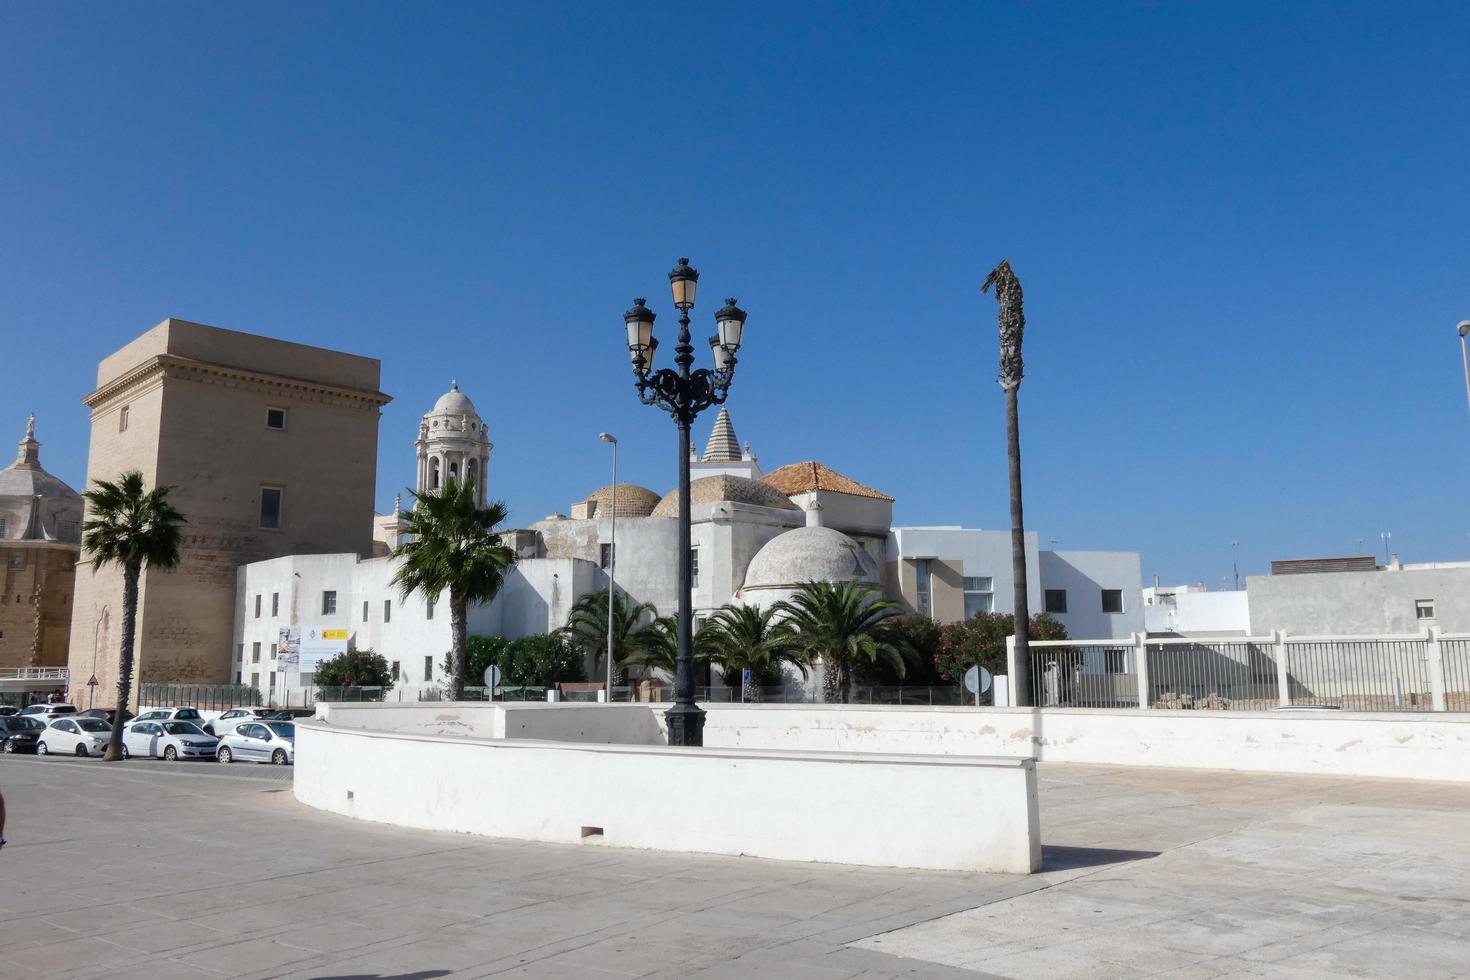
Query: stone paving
198	870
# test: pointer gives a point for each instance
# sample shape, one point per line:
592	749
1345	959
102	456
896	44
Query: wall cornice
172	366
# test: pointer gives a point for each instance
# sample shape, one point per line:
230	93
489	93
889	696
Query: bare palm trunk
131	573
1021	683
456	645
831	682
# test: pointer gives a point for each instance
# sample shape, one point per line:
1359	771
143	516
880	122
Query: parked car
289	714
108	715
75	736
8	709
171	740
260	741
19	734
172	714
48	712
227	721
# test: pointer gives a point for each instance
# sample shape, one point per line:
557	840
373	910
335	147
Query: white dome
454	402
809	554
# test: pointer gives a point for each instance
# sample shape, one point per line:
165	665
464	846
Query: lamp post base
686	724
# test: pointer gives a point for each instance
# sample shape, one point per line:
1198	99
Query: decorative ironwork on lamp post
684	393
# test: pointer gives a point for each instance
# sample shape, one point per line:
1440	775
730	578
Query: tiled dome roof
633	501
712	489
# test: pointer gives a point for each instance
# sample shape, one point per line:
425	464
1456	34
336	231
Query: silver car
228	721
171	740
260	741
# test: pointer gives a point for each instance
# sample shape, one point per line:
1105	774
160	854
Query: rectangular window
694	568
428	610
329	603
429	668
257	605
1056	600
275	418
921	585
1115	661
1424	609
364	610
977	603
275	603
607	556
388	611
272	676
1112	600
273	651
270	508
394	673
122	419
239	654
979	583
255	653
238	678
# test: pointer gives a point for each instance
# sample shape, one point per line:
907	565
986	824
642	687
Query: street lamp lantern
684	393
685	282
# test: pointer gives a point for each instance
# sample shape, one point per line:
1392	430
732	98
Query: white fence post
1140	666
1011	668
1436	669
1283	685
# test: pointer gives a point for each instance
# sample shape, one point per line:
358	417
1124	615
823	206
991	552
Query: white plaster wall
1084	574
979	815
1359	602
1401	746
1200	612
983	553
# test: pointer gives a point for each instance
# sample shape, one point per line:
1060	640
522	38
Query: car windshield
63	709
19	724
284	729
94	725
181	728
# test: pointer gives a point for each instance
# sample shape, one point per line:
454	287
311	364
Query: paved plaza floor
198	870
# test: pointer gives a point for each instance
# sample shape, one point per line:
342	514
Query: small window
694	568
387	610
921	585
977	603
364	610
1424	609
255	681
257	605
272	679
394	672
978	583
122	419
429	668
607	556
255	653
329	603
1056	600
275	603
273	651
239	654
275	418
270	508
429	609
1112	600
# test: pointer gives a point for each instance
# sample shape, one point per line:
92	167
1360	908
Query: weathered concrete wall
1336	603
37	585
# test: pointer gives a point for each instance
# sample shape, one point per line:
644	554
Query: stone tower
453	444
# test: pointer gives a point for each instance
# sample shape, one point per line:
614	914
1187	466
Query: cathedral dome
454	402
34	505
712	489
808	554
633	501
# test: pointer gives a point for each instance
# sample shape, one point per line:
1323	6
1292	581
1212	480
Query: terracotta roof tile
805	477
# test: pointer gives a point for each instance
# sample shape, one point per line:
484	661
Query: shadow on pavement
1056	857
420	975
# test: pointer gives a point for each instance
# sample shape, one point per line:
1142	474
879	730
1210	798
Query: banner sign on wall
320	643
288	648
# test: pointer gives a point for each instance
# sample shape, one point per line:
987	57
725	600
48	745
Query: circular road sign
977	680
492	676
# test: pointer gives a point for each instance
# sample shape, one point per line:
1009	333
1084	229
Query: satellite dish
977	680
492	677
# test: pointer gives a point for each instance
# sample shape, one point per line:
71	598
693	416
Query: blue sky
1242	229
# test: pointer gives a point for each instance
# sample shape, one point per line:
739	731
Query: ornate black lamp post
684	394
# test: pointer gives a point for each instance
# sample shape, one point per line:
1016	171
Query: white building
1192	610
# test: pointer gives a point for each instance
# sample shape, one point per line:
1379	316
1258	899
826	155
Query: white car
48	712
75	736
171	714
260	741
171	740
228	721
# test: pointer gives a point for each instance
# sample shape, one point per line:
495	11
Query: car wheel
126	753
171	754
278	757
9	746
82	751
225	755
41	749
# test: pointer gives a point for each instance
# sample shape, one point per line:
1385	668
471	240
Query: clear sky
1243	230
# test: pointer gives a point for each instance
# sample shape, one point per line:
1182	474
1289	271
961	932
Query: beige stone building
271	447
40	526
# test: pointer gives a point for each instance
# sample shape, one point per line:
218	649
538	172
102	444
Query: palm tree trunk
831	681
132	571
1021	683
456	644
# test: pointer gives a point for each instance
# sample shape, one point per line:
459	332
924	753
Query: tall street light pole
1386	536
1235	562
684	394
1464	329
612	557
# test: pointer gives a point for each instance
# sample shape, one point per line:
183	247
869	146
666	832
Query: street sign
746	675
492	677
93	681
977	680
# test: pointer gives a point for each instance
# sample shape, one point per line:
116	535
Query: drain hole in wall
591	832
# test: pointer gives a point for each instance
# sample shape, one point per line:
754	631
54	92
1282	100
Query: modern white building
1192	610
755	537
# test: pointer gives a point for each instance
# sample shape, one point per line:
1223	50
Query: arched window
454	471
434	473
470	473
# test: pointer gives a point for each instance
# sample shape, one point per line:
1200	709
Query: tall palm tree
841	624
137	529
656	647
586	627
1012	323
741	638
453	545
